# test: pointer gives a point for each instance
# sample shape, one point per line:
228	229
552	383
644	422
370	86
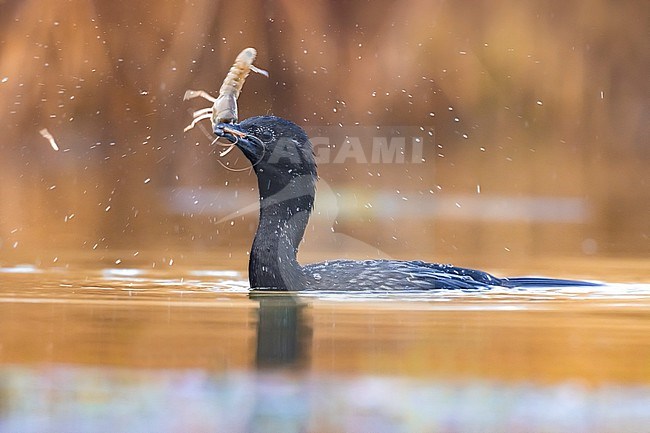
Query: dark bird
283	159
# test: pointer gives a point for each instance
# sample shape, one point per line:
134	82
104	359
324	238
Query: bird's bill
230	131
233	133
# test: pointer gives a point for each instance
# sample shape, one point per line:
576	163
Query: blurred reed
525	99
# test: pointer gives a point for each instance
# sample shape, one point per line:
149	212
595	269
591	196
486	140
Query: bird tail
531	282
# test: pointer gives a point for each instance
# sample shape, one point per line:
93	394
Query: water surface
188	348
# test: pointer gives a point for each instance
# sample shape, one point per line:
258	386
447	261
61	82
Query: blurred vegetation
542	99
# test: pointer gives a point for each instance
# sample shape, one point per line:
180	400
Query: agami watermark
369	145
358	144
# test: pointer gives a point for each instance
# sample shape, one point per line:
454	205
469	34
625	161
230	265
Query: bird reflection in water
283	336
283	342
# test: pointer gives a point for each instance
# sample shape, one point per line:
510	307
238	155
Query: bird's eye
266	135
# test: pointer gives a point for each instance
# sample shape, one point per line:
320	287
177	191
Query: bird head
276	147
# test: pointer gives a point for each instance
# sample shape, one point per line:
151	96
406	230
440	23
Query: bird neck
284	213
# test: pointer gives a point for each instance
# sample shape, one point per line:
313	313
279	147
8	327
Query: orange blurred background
538	113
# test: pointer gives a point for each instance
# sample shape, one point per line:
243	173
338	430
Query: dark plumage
283	160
